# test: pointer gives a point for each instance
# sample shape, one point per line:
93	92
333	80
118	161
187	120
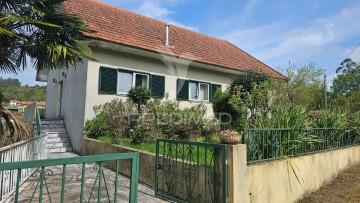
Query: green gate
89	171
190	171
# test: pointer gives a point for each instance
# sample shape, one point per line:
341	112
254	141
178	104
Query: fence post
236	173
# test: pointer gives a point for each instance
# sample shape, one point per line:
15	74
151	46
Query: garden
275	118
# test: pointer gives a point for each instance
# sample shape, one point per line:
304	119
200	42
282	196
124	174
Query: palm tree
346	65
38	30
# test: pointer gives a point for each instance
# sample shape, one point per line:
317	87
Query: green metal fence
37	120
44	169
190	171
269	144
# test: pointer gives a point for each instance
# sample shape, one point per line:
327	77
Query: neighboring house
131	49
13	103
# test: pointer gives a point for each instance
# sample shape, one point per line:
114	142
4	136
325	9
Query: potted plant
229	137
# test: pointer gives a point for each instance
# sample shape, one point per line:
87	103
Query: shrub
139	95
97	126
287	116
143	133
330	119
118	115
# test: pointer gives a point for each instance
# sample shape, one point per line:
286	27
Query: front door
59	99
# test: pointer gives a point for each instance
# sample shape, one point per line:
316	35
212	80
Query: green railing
269	144
190	171
37	120
45	169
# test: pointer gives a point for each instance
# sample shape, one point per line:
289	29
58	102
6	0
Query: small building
131	49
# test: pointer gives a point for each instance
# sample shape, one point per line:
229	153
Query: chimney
167	35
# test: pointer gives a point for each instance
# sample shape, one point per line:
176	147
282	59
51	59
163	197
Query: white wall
80	90
115	59
73	100
275	181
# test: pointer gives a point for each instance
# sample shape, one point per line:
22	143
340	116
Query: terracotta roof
116	25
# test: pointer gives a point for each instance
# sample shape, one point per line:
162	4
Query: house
131	49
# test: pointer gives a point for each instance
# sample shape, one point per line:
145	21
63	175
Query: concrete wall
72	102
275	181
171	71
29	113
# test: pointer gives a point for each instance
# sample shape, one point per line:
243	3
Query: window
117	81
125	81
204	92
141	80
198	91
193	91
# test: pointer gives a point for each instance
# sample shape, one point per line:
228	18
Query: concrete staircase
58	140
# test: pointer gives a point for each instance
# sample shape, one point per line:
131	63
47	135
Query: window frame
198	84
144	74
208	91
117	83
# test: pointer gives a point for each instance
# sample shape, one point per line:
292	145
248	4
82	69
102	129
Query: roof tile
124	27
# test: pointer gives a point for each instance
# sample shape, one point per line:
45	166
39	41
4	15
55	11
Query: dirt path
345	188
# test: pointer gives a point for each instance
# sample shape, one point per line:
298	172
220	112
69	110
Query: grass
200	155
148	147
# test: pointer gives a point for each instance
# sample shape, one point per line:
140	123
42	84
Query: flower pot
231	140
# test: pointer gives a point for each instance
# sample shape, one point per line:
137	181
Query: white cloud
280	42
159	10
153	10
249	7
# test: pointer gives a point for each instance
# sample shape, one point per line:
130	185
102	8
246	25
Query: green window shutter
213	88
182	89
108	80
157	86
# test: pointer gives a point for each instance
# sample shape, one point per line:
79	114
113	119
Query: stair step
57	139
55	130
58	150
52	122
58	145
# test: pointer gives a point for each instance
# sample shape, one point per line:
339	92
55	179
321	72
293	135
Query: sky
323	32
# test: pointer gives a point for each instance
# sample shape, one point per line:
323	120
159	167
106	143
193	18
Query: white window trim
208	92
117	84
198	91
134	79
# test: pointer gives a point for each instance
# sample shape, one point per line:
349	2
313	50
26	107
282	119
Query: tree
347	82
345	91
305	86
38	30
139	95
346	65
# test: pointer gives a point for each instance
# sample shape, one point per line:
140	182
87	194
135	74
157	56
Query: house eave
159	56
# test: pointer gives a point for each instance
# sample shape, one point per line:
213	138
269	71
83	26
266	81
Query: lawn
198	154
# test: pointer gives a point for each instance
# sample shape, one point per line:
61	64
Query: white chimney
167	35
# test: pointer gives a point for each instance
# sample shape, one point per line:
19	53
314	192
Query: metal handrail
17	168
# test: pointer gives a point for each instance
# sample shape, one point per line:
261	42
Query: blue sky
323	32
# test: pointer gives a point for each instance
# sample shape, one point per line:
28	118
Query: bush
330	119
139	95
118	114
97	126
287	116
143	133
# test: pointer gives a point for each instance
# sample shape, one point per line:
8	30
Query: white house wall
113	59
73	100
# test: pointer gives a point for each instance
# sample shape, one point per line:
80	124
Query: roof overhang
159	56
